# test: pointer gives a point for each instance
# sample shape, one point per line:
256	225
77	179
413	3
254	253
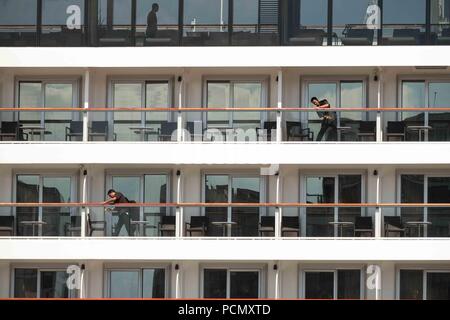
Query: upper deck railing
238	124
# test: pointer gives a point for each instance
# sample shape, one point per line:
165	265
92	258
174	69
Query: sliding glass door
234	221
231	283
45	221
47	125
139	125
332	221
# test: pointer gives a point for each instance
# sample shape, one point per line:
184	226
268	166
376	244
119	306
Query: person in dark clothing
329	120
124	212
152	21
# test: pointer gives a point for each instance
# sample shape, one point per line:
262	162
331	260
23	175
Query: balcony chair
267	225
198	224
100	129
167	226
367	131
290	225
393	225
74	130
396	130
12	131
95	225
308	37
167	130
363	225
404	37
74	227
295	132
7	226
358	37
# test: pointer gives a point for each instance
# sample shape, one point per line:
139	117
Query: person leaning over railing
124	214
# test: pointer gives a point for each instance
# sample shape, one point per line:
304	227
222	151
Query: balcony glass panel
352	96
245	190
205	23
124	284
127	95
218	97
320	190
25	283
439	97
157	25
322	91
244	284
349	284
440	22
30	96
350	187
307	22
255	22
438	284
62	23
412	191
438	192
27	191
153	283
349	23
216	190
56	190
114	23
155	191
53	284
319	285
215	283
404	22
58	95
18	23
157	96
413	96
411	284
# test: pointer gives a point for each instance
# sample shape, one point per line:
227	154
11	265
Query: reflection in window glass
352	96
57	95
438	192
30	96
313	13
244	284
156	96
25	283
438	286
413	96
155	190
127	95
218	97
18	21
53	284
412	191
438	97
153	285
404	11
319	285
411	284
319	190
27	190
215	283
247	95
349	284
124	284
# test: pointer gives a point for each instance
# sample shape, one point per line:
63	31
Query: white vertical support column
279	131
87	79
84	198
83	283
379	120
278	210
179	210
177	280
180	85
378	214
277	280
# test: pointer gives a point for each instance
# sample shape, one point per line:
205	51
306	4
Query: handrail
227	204
201	109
